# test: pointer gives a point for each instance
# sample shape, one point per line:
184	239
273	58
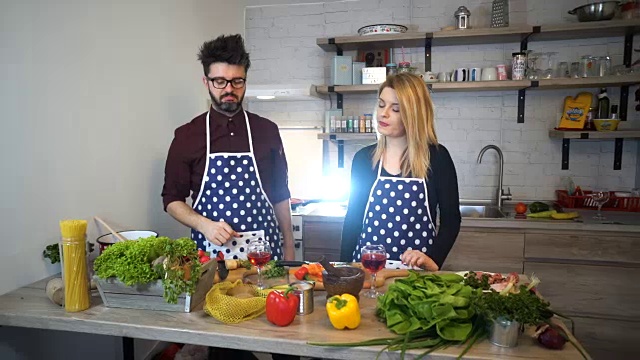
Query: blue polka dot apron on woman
397	216
231	191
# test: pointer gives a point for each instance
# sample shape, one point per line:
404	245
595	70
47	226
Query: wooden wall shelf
372	42
348	136
594	135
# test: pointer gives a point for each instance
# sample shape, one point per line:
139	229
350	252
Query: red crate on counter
584	201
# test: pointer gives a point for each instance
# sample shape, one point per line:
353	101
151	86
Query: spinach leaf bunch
436	304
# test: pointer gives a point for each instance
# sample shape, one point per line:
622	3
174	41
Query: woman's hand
416	258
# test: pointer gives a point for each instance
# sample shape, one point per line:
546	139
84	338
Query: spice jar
518	65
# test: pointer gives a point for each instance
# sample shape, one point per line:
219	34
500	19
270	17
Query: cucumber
565	216
542	214
537	206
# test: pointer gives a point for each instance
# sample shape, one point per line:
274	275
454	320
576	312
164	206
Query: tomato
201	253
204	259
301	273
521	208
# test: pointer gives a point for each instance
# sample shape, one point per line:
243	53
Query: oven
296	222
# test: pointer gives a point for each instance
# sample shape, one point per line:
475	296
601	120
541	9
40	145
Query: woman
398	184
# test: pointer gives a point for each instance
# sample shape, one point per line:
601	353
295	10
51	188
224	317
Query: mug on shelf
461	74
489	74
475	74
444	76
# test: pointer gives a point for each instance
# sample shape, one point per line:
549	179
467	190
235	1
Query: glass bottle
614	112
603	104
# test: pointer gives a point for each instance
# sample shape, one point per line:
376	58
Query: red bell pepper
282	307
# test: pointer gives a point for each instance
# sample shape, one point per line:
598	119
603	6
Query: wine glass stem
373	283
260	284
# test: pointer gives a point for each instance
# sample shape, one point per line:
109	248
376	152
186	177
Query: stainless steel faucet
501	195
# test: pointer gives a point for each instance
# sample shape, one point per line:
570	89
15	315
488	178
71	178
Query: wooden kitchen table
29	307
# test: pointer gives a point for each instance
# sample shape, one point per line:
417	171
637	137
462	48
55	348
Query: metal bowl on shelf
604	10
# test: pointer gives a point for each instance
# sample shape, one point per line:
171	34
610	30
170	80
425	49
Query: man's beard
227	107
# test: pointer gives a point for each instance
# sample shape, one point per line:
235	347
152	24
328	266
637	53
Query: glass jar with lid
404	66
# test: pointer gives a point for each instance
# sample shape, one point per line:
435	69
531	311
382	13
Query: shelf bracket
624	90
340	154
565	153
524	43
332	41
521	101
617	154
339	101
624	102
427	53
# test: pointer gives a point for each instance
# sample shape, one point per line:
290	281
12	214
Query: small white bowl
109	239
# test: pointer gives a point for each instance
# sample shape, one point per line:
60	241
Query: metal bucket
504	333
304	292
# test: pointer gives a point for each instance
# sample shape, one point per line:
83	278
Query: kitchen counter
29	307
336	213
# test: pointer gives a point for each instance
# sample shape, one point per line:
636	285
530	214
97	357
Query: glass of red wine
374	259
259	254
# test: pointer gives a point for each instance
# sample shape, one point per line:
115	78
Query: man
231	162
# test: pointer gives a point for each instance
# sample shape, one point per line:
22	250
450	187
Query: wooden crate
116	294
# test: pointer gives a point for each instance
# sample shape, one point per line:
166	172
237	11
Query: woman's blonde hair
416	112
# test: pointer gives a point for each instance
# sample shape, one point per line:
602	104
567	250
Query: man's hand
216	232
416	258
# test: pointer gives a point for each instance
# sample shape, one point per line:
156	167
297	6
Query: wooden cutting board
250	275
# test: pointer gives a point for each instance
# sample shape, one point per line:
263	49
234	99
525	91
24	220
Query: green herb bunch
472	280
52	252
271	270
523	306
131	262
182	270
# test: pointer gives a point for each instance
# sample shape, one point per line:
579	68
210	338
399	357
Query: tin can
304	291
518	65
363	124
504	333
343	126
502	72
332	124
350	124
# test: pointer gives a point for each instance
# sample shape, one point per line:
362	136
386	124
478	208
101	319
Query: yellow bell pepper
343	311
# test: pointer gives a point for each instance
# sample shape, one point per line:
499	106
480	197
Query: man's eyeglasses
221	83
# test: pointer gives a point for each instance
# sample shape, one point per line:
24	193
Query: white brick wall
282	39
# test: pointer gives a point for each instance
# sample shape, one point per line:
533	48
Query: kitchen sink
481	211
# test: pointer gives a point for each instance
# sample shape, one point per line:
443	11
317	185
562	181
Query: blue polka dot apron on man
231	191
397	216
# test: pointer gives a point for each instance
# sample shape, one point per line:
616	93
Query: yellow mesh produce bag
230	309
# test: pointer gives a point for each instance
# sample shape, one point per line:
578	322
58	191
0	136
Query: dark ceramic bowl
350	281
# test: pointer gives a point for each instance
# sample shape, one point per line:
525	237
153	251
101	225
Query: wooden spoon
114	233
